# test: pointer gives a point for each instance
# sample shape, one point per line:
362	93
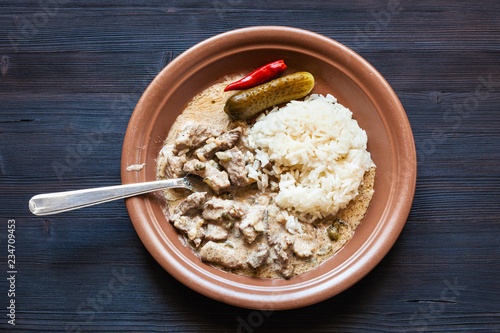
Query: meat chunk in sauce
219	253
192	226
303	248
193	136
281	245
257	258
223	142
221	210
173	164
214	232
191	204
218	180
254	223
233	161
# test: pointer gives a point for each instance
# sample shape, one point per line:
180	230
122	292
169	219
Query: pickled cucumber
248	103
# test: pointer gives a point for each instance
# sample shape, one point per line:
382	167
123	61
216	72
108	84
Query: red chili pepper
259	76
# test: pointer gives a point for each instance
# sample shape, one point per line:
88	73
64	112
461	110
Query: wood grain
86	64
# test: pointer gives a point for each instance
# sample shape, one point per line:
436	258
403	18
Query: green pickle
248	103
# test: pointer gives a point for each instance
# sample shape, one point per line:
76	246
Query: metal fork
54	203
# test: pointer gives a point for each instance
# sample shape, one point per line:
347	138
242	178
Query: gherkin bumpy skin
248	103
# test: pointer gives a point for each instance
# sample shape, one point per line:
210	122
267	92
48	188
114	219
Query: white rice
319	155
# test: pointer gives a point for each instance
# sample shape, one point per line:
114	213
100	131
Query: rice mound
319	154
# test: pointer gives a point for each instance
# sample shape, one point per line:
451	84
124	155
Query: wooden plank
92	60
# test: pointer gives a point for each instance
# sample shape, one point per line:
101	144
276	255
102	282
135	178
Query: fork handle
54	203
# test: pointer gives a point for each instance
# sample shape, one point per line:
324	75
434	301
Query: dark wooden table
65	65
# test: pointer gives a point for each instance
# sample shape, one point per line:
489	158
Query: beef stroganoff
276	195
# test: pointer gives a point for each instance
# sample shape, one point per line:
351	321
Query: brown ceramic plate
337	70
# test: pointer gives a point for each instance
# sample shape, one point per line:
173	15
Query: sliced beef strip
249	233
214	232
192	203
173	163
281	244
216	179
192	226
223	142
257	258
220	210
193	135
233	161
253	223
219	253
